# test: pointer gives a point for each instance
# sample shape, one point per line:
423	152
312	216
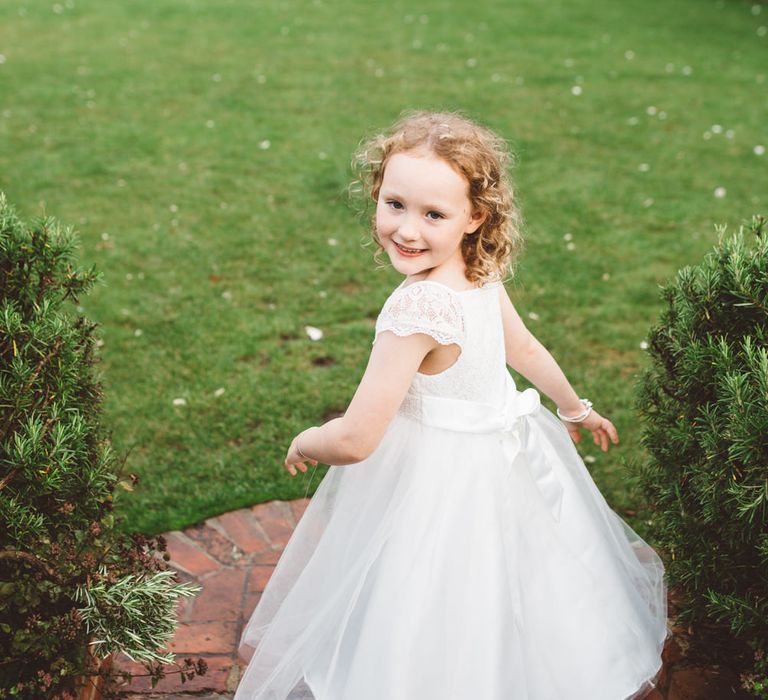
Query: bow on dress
512	421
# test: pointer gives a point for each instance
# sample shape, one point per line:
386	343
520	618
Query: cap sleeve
423	308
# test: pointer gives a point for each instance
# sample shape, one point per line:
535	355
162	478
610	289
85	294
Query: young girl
457	548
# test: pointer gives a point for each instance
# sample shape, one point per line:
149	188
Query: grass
201	150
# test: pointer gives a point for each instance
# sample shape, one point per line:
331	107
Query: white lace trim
423	308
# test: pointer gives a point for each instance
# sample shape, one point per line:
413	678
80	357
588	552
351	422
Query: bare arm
526	355
393	362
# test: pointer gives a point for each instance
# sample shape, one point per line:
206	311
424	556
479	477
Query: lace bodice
471	319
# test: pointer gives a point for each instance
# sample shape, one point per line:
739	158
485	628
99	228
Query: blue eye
436	217
394	204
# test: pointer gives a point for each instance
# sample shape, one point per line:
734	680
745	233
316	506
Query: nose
408	230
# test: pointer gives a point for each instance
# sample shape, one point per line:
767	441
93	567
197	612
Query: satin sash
512	421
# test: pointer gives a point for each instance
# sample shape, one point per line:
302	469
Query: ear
478	217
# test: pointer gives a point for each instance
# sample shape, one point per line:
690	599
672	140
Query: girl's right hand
601	429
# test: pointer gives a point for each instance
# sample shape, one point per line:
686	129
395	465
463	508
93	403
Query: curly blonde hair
481	157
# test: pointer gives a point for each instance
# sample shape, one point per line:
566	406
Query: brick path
232	557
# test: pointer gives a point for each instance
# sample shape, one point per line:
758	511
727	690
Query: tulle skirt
457	564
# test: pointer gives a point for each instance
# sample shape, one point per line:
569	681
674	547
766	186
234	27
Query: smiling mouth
408	251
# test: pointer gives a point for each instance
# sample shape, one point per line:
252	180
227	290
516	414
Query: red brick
215	678
242	527
271	556
654	694
277	521
259	577
217	545
188	556
699	684
250	602
672	651
204	638
221	598
298	507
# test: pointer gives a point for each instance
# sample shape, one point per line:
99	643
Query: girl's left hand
293	459
601	428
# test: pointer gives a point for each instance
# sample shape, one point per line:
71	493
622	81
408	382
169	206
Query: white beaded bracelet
577	419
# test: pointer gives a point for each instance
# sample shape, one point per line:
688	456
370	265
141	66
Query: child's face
424	205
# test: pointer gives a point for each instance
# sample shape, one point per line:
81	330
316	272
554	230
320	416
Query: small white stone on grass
576	90
227	296
533	315
716	129
633	121
719	192
180	402
606	276
687	70
313	333
138	332
759	150
210	123
219	391
332	241
568	236
643	345
570	245
629	55
590	459
644	167
648	202
650	109
265	144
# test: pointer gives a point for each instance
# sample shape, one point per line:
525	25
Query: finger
612	432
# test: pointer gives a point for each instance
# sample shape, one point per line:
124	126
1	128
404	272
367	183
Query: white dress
469	557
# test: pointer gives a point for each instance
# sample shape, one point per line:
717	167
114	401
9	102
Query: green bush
67	575
704	401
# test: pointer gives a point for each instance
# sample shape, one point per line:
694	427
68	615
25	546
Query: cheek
381	220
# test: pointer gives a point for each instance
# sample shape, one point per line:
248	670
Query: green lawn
202	151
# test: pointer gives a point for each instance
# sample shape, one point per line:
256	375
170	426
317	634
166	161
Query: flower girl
457	548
